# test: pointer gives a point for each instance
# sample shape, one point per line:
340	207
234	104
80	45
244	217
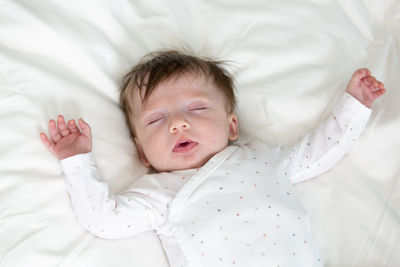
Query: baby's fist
364	87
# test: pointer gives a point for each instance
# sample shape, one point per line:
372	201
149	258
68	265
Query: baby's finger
46	142
72	126
374	82
371	81
379	92
86	131
62	127
366	81
54	134
361	73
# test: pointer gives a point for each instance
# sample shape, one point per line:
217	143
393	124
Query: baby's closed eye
197	106
154	118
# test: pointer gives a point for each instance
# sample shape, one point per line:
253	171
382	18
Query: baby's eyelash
198	108
154	120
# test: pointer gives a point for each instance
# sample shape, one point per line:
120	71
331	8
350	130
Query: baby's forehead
195	84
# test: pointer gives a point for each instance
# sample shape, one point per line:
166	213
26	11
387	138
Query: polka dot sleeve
100	211
324	146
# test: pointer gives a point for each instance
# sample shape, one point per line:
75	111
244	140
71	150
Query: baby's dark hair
157	67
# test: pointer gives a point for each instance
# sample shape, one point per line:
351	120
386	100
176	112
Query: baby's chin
182	165
178	167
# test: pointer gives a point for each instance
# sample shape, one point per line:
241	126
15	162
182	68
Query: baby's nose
179	124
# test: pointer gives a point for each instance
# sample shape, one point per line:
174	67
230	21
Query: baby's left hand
364	87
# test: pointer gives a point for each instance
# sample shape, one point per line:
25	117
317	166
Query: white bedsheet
292	60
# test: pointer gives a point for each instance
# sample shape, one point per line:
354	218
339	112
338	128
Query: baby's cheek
151	147
219	136
155	150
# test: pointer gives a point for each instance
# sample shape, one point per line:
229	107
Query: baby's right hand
68	140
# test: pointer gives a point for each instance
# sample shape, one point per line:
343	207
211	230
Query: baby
212	203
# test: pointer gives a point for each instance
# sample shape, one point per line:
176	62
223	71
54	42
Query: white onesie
239	209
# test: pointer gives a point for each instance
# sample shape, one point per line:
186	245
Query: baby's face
183	123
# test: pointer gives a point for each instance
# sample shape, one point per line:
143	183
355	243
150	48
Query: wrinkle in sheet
386	226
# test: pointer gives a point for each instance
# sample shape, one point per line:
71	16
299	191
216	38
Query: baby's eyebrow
200	98
197	101
150	112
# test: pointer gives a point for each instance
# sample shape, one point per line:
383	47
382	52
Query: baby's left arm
325	145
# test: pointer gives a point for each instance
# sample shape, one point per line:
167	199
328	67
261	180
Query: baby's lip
184	145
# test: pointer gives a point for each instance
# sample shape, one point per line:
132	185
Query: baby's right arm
67	140
101	212
97	209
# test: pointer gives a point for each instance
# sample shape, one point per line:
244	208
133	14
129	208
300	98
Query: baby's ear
233	127
141	154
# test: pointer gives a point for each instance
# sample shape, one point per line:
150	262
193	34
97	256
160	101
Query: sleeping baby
210	201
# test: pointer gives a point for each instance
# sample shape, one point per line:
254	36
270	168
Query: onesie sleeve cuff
77	163
349	108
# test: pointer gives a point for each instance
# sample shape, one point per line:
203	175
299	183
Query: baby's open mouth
184	146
